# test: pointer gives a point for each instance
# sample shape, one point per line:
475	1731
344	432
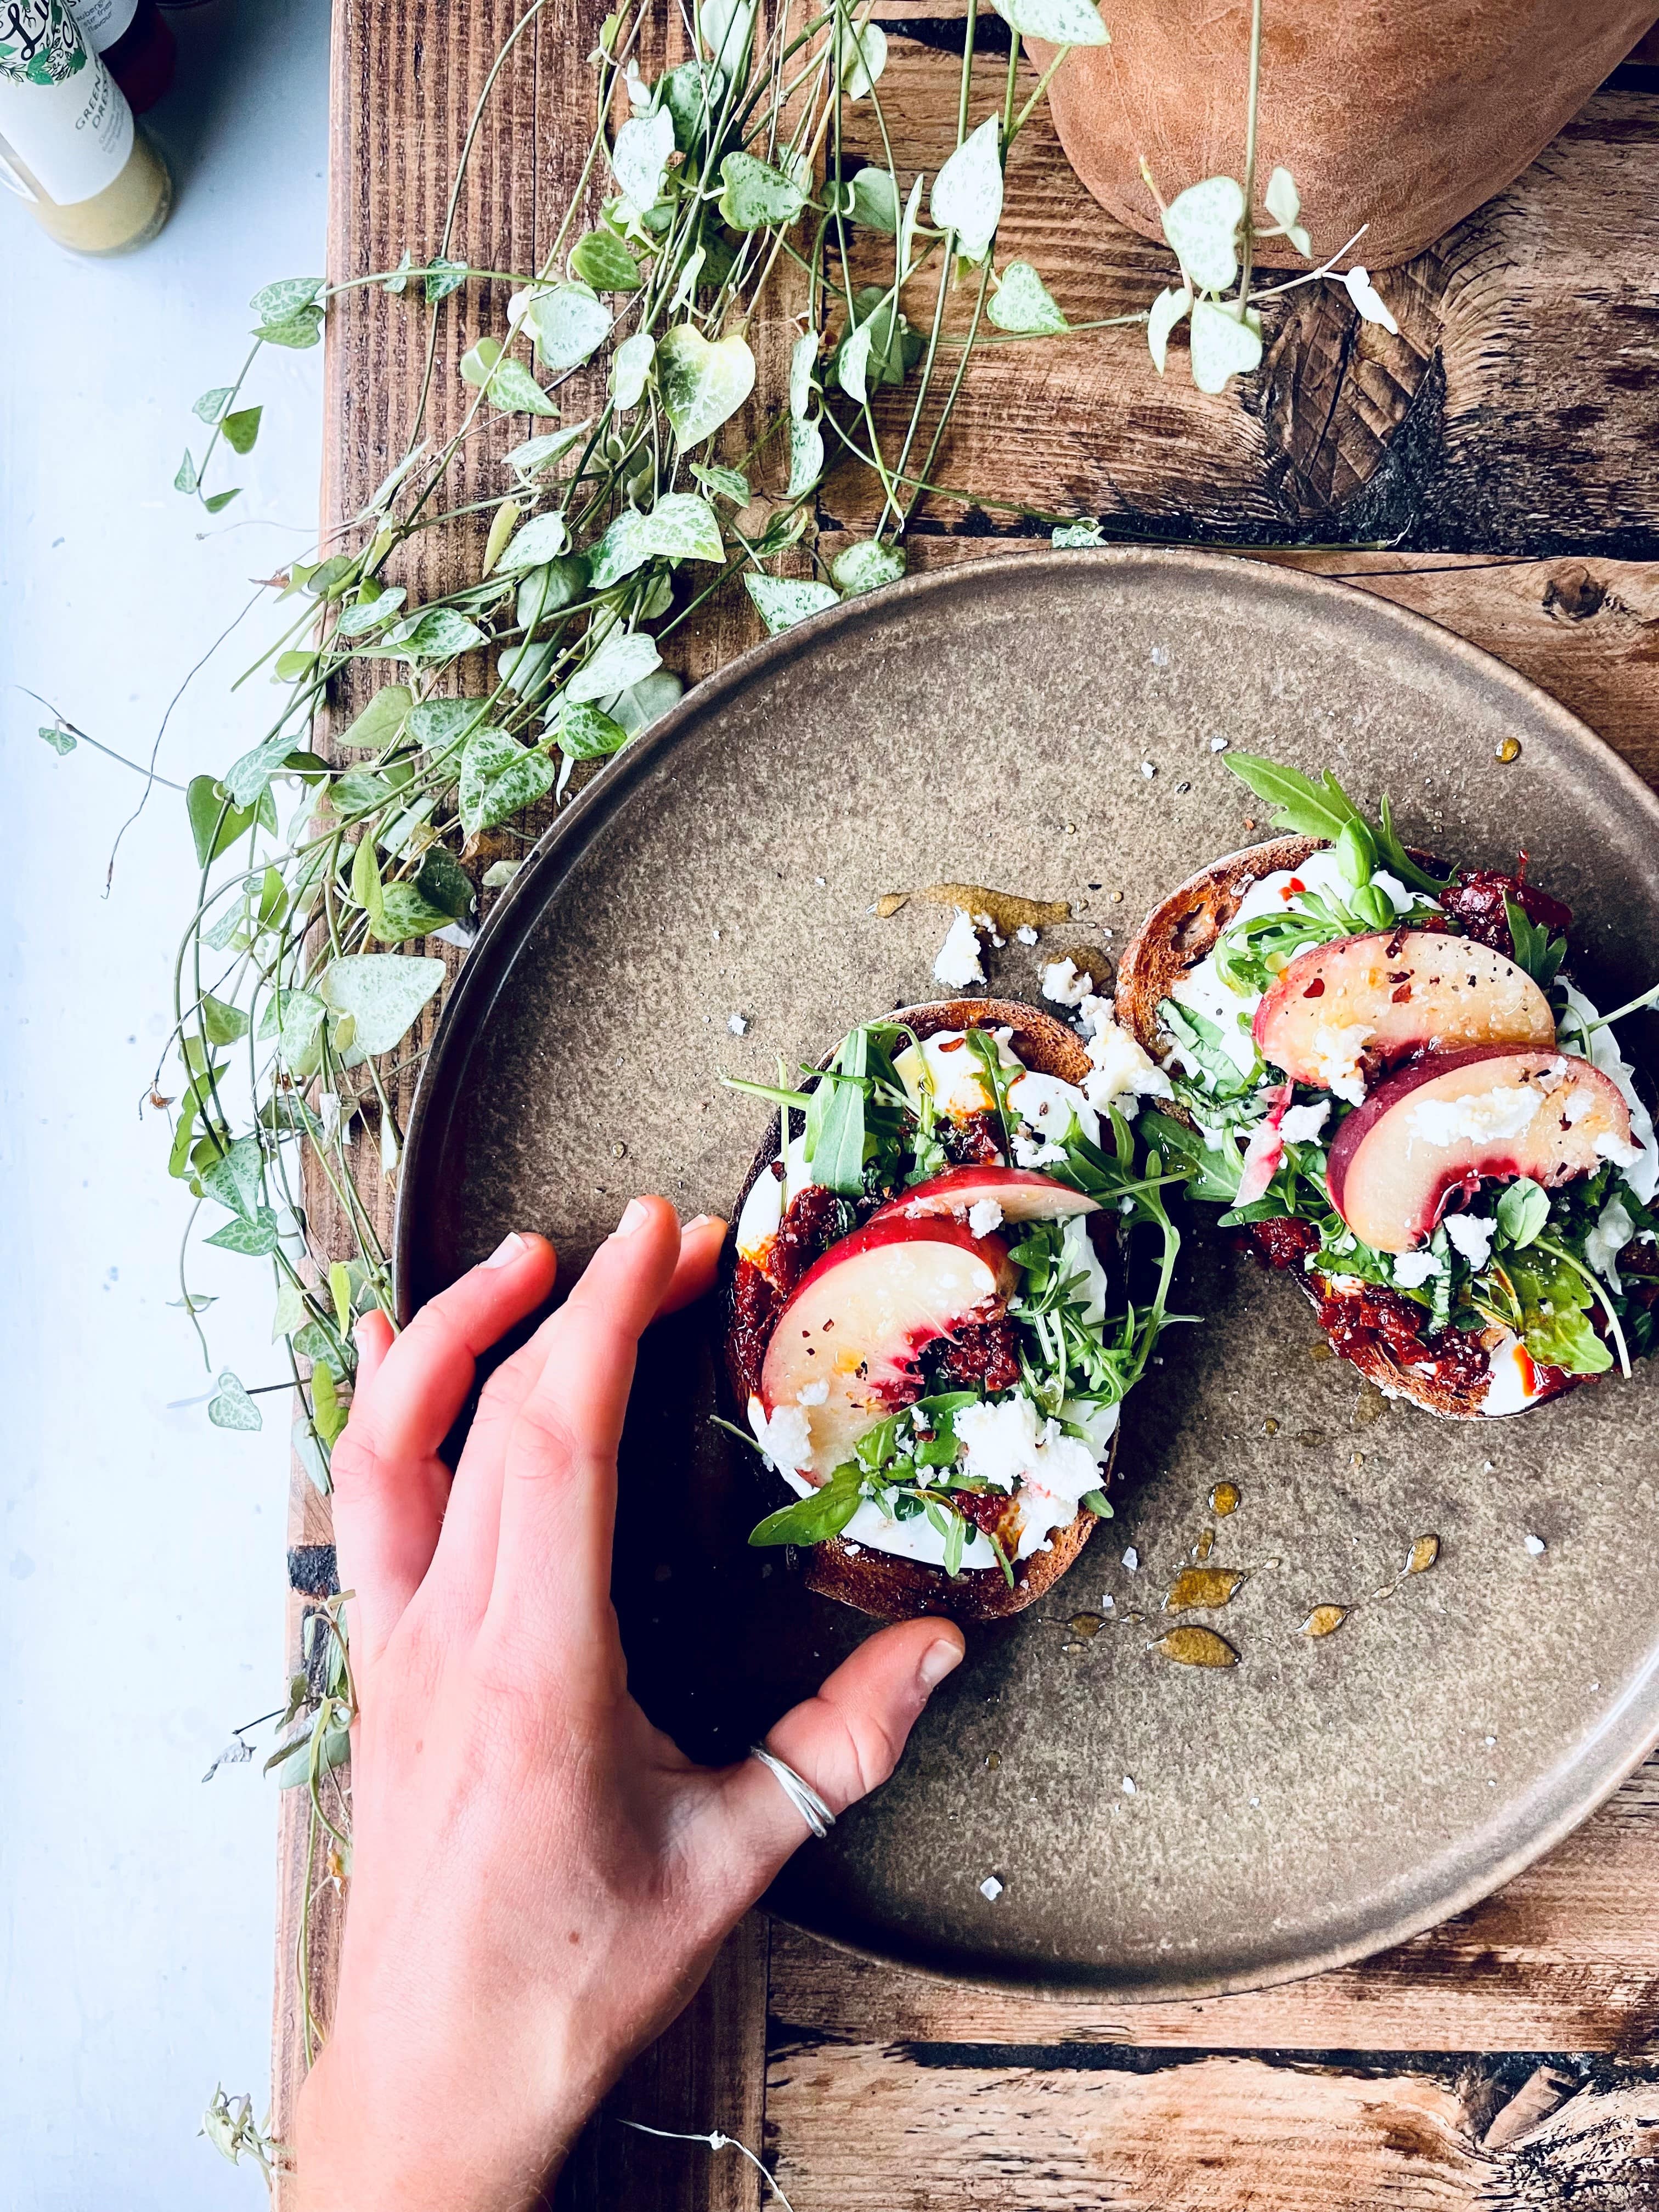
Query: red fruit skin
1360	1123
885	1228
959	1188
1477	901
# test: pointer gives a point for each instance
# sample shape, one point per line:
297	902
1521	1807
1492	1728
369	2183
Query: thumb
845	1742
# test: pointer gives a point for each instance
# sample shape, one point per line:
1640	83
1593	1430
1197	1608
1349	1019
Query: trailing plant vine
297	998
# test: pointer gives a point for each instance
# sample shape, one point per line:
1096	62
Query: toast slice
1451	1381
878	1582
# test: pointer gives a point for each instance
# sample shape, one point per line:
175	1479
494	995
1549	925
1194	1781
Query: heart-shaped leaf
754	194
543	538
230	1408
863	59
639	159
875	200
1023	302
1202	224
1223	347
623	659
806	457
1167	310
602	260
499	778
866	567
569	324
1281	199
585	733
703	384
380	720
630	368
681	527
692	95
1061	22
725	27
853	362
967	195
539	454
783	601
803	359
434	634
232	1178
383	993
725	484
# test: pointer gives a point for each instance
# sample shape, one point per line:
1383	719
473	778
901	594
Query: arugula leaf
1324	810
835	1119
1200	1042
1535	949
822	1513
1555	1300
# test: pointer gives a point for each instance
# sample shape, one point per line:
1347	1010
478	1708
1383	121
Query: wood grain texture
1501	444
1565	1958
919	2127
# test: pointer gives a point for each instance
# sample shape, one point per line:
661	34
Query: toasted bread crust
1175	937
878	1582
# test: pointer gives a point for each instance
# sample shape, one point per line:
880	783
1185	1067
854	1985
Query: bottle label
103	22
60	109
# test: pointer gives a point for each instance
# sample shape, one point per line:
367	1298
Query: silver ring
799	1792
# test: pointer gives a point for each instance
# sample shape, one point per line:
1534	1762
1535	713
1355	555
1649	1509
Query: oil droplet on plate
1321	1351
1370	1406
1270	1427
1196	1647
1224	1499
1325	1620
1203	1588
1507	750
994	1759
1423	1554
1205	1545
1086	1625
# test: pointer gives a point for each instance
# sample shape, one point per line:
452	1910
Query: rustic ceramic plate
1158	1831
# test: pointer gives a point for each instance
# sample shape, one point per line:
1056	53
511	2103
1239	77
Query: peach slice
1361	1003
1454	1120
1022	1194
846	1344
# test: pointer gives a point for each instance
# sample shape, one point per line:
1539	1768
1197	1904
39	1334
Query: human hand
540	1879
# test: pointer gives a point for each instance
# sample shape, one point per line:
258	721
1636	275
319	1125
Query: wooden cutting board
1503	444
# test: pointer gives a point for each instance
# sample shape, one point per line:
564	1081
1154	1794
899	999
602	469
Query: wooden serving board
1501	444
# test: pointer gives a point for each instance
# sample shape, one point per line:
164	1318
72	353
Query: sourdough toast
880	1583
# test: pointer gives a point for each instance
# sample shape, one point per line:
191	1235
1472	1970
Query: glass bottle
135	43
69	146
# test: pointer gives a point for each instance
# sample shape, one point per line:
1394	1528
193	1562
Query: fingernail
697	1221
506	1251
635	1217
937	1661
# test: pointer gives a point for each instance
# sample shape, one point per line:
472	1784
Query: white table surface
141	1550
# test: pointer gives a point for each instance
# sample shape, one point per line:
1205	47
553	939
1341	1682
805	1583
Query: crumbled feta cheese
1412	1269
1301	1125
1131	1558
958	962
1065	985
990	1889
784	1436
1036	1152
1148	770
1118	1062
1025	933
1160	656
1536	1545
1480	1117
1611	1230
737	1023
1471	1234
1004	1443
1217	745
811	1394
1334	1054
1128	1785
984	1215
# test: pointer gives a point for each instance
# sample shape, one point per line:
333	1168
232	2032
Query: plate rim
472	994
